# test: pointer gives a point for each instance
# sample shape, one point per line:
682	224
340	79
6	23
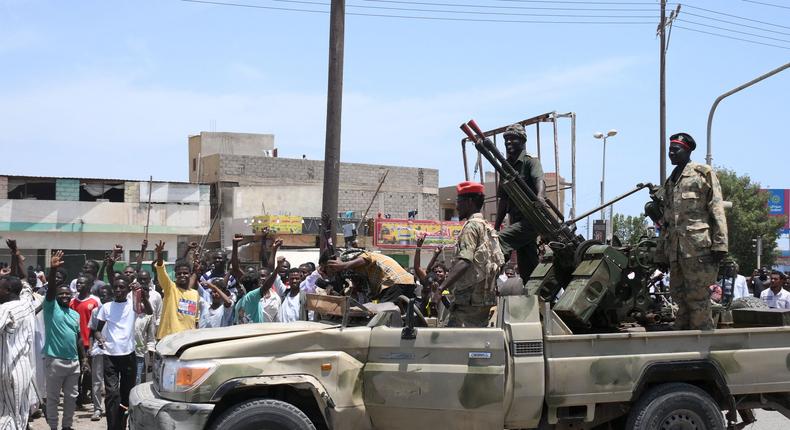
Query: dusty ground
82	421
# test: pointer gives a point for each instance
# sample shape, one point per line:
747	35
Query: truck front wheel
263	414
675	406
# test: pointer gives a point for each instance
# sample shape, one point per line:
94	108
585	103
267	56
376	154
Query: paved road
766	420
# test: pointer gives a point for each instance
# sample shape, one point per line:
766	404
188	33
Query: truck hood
177	343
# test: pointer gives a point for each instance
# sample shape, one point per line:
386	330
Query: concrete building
249	180
86	217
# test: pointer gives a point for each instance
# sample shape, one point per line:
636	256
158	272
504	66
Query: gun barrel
472	123
468	132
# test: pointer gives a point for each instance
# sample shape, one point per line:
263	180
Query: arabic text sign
401	233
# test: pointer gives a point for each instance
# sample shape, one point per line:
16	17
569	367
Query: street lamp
599	135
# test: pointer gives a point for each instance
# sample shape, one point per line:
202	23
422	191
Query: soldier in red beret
478	258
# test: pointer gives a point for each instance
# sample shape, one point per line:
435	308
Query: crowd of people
90	341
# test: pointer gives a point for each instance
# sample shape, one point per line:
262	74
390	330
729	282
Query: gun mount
603	285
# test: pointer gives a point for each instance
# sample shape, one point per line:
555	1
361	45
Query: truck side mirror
409	332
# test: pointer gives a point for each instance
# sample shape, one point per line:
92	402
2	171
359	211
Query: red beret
467	187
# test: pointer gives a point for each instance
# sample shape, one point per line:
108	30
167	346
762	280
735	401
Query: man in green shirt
519	235
63	350
248	308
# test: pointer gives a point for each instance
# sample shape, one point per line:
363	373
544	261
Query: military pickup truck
528	371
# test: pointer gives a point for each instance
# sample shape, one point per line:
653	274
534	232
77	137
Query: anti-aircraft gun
604	285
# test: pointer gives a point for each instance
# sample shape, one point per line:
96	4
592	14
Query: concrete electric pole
334	107
662	91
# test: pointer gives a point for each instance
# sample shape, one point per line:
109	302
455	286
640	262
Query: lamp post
599	135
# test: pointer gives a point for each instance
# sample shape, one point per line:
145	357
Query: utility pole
662	91
334	106
662	103
759	251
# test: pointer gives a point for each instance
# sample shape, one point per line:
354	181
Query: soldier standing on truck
693	237
519	235
478	258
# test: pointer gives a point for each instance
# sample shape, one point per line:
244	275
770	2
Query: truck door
445	378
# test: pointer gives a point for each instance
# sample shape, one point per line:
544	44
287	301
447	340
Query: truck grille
527	348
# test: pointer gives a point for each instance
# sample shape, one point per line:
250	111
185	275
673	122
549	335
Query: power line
468	12
734	31
485	6
731	37
444	18
735	23
584	2
422	3
737	16
767	4
417	17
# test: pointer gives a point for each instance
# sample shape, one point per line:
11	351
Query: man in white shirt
775	296
219	311
115	334
17	328
739	287
270	304
294	305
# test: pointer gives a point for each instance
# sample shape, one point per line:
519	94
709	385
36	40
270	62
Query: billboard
402	233
779	205
283	224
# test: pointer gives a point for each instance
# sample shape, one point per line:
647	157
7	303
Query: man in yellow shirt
180	303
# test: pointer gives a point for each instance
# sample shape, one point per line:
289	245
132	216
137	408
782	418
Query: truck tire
675	406
263	414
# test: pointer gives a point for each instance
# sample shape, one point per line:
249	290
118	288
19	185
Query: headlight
179	376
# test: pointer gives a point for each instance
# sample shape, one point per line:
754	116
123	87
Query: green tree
629	228
747	219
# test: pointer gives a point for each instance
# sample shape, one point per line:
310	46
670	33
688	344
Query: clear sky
113	88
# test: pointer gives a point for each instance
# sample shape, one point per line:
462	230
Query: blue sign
776	202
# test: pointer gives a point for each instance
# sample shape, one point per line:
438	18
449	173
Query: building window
102	191
31	189
194	164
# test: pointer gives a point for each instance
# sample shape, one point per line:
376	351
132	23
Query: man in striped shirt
17	328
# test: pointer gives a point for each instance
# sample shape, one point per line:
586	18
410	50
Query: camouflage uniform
475	291
519	235
694	225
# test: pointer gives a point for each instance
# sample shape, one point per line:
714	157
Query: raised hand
11	245
277	244
421	239
159	249
438	249
117	250
144	245
56	260
237	238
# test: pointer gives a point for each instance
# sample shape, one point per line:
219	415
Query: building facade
86	217
257	182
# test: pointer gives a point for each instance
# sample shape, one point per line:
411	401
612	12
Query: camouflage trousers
688	283
468	316
521	238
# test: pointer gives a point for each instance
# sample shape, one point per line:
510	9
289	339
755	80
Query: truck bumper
147	410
